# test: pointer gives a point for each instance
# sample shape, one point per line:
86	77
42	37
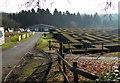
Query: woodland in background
62	19
7	21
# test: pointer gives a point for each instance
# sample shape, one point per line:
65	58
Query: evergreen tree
59	19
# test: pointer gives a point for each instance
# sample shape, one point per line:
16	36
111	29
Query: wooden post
119	67
69	47
75	74
60	52
85	46
59	60
64	64
45	35
58	57
102	49
21	37
61	49
49	45
64	70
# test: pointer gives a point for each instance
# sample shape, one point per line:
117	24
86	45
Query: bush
15	38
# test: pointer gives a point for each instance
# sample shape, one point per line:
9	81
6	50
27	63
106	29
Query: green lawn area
42	43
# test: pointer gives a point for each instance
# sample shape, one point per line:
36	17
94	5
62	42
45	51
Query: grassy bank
14	38
6	45
28	70
42	43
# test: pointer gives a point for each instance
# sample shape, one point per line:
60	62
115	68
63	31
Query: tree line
8	22
62	19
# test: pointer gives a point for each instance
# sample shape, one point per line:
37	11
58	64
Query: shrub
15	38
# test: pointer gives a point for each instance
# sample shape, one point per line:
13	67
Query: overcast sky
82	6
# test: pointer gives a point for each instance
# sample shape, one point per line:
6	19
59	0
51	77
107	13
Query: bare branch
52	3
69	1
40	3
29	3
108	6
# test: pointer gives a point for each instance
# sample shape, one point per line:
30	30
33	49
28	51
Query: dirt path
98	57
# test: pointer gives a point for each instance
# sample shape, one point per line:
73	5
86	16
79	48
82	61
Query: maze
87	40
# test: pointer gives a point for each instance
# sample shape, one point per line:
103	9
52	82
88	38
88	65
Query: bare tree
108	5
40	3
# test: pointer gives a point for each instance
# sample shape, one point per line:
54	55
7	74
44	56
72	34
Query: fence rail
76	70
73	68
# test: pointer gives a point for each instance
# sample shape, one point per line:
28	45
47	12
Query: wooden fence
73	68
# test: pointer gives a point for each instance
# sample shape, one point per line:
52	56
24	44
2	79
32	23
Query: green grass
15	38
42	43
28	71
47	36
6	45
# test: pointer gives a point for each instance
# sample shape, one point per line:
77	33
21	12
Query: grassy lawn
42	43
